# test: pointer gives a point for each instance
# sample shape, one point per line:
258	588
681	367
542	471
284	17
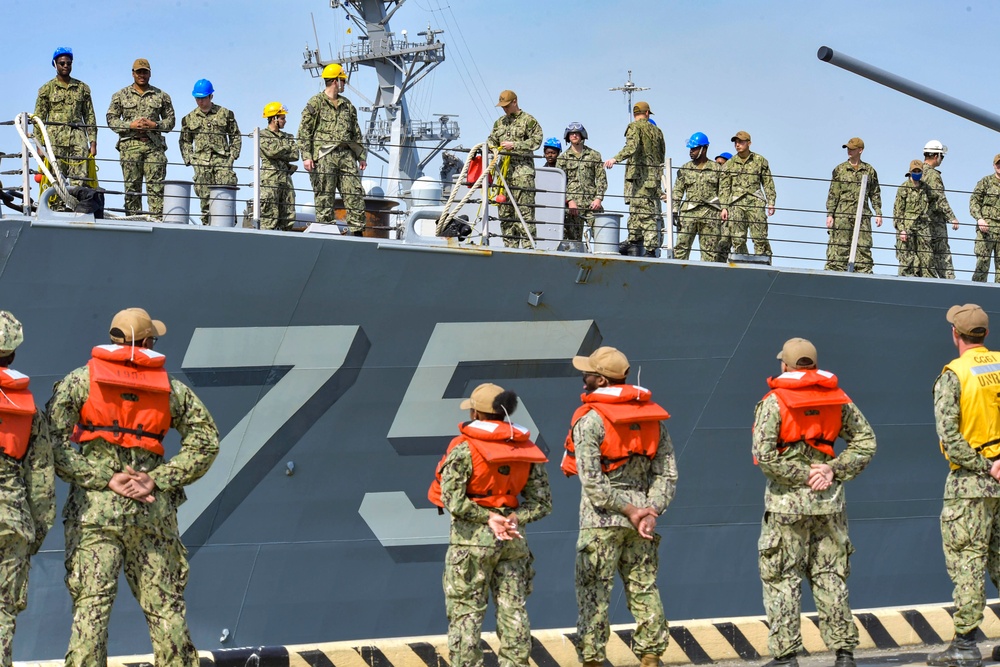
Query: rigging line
461	34
474	93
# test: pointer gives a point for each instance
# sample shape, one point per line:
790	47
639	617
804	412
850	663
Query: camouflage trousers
139	160
838	247
72	163
794	547
13	587
156	569
522	189
644	223
277	205
970	535
915	254
705	223
600	552
338	172
573	225
747	215
471	574
207	177
987	247
941	264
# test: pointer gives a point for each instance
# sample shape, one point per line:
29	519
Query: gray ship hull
343	360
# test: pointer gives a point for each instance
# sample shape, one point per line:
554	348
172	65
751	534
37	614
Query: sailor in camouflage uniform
67	100
519	135
696	203
478	481
211	143
804	531
333	151
842	209
911	214
984	205
142	114
27	481
745	189
645	152
968	425
279	151
124	492
624	490
940	213
586	182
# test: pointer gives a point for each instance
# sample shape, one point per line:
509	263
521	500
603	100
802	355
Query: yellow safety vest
979	372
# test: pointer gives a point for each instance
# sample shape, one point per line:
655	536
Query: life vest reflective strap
117	429
983	446
631	426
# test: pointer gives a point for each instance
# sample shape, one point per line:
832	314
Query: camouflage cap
483	398
798	353
134	324
606	361
996	158
969	319
506	97
916	165
11	333
141	63
641	107
742	135
854	142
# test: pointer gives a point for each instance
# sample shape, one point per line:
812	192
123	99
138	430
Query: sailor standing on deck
984	205
842	208
968	424
211	143
941	213
27	493
279	151
745	189
619	445
696	204
586	182
485	470
517	135
123	498
804	531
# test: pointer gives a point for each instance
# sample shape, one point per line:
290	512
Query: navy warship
336	374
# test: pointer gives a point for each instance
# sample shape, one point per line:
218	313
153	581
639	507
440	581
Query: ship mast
399	64
627	89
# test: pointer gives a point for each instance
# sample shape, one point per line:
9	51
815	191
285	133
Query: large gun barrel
946	102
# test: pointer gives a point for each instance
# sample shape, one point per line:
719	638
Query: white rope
448	214
57	181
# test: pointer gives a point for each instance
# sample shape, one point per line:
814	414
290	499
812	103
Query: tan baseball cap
968	318
996	158
742	135
11	333
483	398
134	324
506	97
916	165
642	107
141	63
606	361
854	142
798	353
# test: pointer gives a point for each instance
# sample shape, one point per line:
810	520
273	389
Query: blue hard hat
62	51
697	139
652	122
728	156
575	127
202	88
553	142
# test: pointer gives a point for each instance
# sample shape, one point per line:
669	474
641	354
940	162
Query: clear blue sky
712	66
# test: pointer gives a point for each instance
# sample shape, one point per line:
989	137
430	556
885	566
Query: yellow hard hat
334	71
274	109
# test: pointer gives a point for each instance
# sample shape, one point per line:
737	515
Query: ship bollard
222	205
177	202
607	233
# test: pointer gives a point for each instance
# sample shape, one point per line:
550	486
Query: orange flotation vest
17	410
502	454
129	401
631	425
811	408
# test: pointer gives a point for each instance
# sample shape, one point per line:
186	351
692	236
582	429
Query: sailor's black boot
788	660
962	652
845	658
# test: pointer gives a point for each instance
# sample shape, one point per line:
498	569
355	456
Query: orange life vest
502	454
17	410
631	425
129	401
811	408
